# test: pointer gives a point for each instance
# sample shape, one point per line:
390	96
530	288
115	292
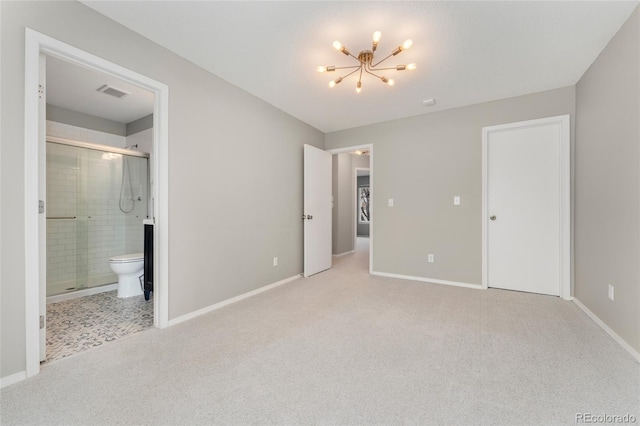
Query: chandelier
366	63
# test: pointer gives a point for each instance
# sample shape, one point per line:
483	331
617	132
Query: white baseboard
608	329
12	379
344	253
428	280
219	305
81	293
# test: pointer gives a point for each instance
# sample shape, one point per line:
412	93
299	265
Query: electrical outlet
456	200
390	202
430	258
275	261
610	292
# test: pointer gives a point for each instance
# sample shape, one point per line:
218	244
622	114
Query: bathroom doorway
99	137
104	146
97	200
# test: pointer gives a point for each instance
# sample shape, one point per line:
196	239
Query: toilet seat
127	258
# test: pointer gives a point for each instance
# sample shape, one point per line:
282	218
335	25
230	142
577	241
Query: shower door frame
88	147
37	44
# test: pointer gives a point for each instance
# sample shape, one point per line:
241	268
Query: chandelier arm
360	77
347	75
375	75
381	61
341	68
354	57
384	69
350	54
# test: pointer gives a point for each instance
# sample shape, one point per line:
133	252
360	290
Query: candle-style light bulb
407	44
411	67
376	40
337	45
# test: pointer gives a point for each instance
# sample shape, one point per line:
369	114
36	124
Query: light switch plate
456	200
390	202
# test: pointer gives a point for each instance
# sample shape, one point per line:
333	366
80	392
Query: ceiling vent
112	91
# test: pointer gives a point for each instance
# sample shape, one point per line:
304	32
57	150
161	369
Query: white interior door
524	205
317	210
42	195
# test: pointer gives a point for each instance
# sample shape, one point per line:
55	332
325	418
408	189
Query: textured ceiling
73	87
467	52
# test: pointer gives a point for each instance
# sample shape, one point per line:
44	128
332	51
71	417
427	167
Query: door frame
35	44
565	195
368	147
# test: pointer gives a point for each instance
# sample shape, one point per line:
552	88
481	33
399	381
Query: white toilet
129	268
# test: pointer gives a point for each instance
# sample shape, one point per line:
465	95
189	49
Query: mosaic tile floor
79	324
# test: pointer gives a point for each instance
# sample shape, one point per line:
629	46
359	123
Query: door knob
492	217
309	217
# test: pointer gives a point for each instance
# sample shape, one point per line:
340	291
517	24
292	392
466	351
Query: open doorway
99	141
353	226
38	48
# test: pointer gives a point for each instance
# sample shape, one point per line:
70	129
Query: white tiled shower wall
81	184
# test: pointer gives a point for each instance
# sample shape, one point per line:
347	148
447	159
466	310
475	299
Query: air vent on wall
110	90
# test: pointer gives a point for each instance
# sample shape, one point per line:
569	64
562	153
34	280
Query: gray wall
140	124
343	232
235	167
607	188
362	229
86	121
438	156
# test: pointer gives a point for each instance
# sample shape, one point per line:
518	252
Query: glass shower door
62	215
96	202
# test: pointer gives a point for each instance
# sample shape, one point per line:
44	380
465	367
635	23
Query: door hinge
40	91
40	206
41	322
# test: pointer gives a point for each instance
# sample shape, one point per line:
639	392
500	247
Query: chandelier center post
365	57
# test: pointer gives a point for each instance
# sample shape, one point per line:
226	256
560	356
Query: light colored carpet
344	347
83	323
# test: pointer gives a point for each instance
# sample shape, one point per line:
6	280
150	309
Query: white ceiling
73	87
467	52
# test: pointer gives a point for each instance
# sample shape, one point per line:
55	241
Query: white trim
344	253
608	330
565	196
226	302
368	147
13	379
429	280
31	222
81	293
36	43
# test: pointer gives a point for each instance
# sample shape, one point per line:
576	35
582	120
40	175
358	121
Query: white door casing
35	240
317	210
526	226
42	196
